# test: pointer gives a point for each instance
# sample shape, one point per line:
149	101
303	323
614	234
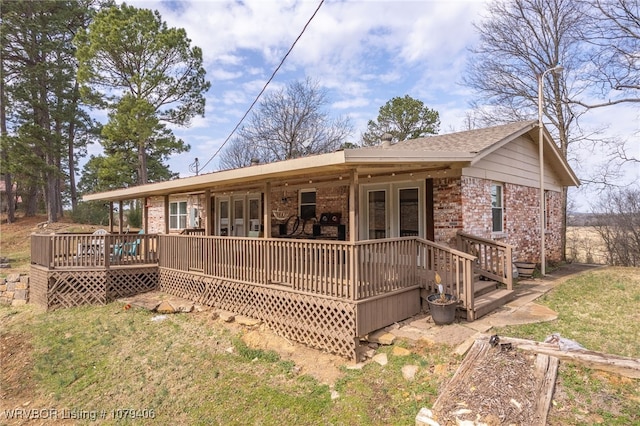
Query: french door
392	210
239	216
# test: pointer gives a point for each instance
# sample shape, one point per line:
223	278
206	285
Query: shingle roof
470	141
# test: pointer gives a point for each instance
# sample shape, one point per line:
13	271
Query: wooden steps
489	301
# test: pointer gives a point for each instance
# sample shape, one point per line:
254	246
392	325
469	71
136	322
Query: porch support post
353	237
267	210
111	217
120	216
208	220
353	207
145	214
166	214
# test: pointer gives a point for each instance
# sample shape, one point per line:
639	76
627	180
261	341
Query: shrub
91	212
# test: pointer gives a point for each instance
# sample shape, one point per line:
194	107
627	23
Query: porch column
166	214
267	211
207	212
145	214
111	217
353	206
120	216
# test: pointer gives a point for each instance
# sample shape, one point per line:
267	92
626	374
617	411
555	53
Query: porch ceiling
324	168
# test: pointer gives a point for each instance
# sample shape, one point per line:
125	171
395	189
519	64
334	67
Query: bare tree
519	41
618	224
612	43
240	154
291	123
613	35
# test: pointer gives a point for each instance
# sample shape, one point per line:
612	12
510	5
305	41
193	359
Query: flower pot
443	313
525	269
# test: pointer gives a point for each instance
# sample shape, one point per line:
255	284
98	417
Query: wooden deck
326	294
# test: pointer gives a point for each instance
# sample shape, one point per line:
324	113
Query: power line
265	86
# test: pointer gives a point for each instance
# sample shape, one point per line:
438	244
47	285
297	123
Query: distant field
584	245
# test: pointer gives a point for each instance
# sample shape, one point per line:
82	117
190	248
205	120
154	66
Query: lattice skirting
317	322
54	289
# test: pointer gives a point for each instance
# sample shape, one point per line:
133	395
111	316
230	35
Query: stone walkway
521	310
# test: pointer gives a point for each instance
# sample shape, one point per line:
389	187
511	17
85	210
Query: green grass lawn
182	370
601	311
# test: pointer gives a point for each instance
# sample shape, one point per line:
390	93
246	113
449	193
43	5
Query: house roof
470	141
439	152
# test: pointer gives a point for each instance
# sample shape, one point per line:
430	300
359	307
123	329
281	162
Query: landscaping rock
357	366
247	321
409	372
400	351
227	316
368	352
18	302
381	337
20	294
425	418
381	359
165	308
185	308
13	278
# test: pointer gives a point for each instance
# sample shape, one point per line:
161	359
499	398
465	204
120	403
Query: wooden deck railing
353	271
312	266
454	267
494	259
60	251
331	268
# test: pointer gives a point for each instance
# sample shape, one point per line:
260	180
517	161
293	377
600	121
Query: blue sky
362	52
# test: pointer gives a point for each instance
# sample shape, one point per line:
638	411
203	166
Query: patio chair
128	248
97	245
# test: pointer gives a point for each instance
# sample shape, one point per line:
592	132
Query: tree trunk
142	163
8	181
70	149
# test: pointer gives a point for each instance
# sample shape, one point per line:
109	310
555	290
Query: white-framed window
497	208
307	203
178	215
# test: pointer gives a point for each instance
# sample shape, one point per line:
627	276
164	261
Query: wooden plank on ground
628	367
546	372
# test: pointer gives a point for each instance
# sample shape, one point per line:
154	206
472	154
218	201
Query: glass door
409	212
255	221
377	220
223	217
238	229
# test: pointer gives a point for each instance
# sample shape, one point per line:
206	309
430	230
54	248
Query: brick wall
447	210
521	218
156	215
328	200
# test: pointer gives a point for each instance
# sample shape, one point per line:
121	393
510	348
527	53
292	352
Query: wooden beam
628	367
